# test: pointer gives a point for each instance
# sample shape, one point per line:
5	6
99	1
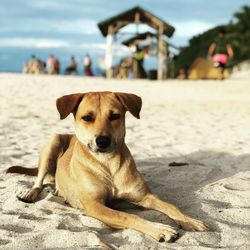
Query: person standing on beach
72	68
220	49
51	65
139	57
57	66
87	65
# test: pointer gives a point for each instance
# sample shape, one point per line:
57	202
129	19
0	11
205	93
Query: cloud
183	29
99	46
45	4
118	49
32	43
74	26
191	28
81	26
55	44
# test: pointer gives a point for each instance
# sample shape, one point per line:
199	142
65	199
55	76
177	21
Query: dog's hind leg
46	168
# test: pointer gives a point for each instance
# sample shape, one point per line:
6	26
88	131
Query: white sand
203	123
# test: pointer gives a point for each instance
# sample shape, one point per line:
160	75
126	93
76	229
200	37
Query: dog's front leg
151	201
120	220
47	165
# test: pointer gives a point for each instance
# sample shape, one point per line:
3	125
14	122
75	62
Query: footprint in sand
46	211
30	217
239	185
4	242
16	228
27	184
70	228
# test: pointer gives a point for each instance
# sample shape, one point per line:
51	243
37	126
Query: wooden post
137	18
160	55
137	21
166	61
108	53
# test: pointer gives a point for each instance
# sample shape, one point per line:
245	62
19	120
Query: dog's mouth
96	149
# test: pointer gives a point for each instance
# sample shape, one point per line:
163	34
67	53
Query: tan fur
87	176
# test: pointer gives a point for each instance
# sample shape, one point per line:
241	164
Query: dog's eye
114	117
87	118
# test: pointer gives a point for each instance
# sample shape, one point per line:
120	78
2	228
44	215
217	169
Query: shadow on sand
179	185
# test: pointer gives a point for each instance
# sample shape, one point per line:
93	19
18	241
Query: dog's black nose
103	141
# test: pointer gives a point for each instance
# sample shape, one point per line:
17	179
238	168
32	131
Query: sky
70	26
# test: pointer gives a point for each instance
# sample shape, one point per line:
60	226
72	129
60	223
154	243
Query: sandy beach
202	123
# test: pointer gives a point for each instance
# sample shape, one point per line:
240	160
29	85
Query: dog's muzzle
103	142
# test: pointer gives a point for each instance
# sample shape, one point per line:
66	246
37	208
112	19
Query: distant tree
238	34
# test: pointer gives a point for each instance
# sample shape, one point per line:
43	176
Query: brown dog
95	166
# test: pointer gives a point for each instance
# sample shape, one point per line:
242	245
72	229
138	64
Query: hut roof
138	37
135	15
142	36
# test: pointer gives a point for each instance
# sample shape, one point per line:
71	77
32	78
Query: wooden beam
108	52
166	69
110	29
160	54
137	17
155	22
118	25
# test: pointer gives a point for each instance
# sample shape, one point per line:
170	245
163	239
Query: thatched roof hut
137	15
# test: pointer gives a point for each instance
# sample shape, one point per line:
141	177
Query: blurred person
57	66
34	66
51	65
28	63
181	74
87	65
72	69
220	49
139	56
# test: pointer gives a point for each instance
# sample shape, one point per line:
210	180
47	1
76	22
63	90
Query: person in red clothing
87	65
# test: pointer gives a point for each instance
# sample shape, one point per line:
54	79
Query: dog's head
99	117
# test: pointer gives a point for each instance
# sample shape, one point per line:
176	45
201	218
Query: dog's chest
114	174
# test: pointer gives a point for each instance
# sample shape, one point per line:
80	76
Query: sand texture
202	123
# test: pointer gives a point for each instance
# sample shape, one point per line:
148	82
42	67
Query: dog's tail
23	170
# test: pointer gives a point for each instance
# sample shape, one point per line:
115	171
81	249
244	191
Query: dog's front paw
191	224
29	195
164	233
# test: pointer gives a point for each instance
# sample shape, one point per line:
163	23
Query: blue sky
67	24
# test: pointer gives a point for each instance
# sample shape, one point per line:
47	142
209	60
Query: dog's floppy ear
68	103
131	103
